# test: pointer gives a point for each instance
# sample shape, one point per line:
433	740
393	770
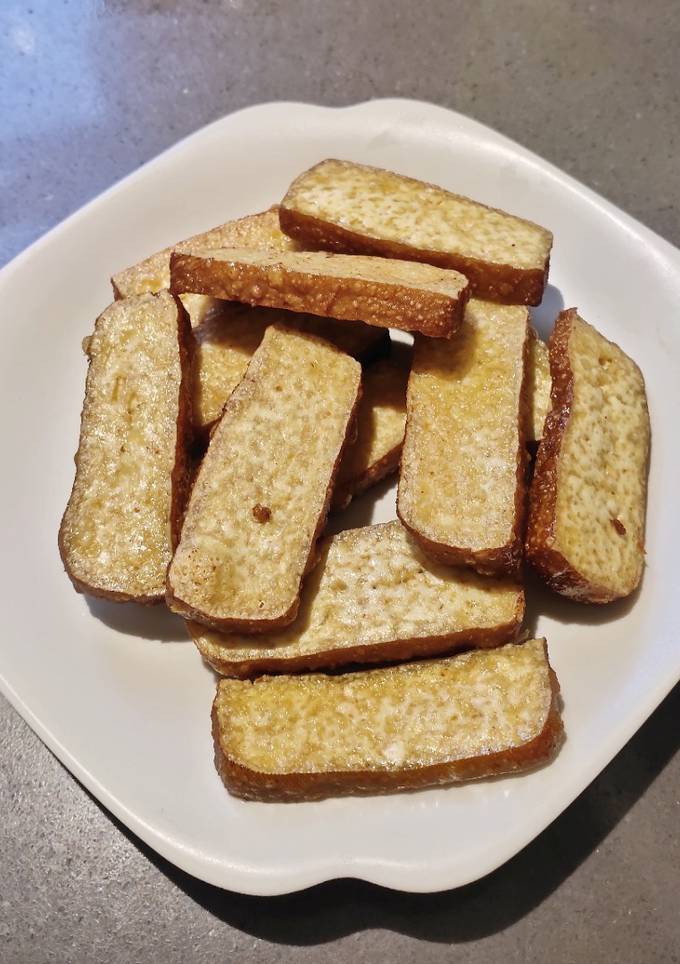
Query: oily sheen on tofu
378	291
358	209
462	481
427	723
153	273
122	519
381	422
374	596
538	385
589	492
227	339
263	489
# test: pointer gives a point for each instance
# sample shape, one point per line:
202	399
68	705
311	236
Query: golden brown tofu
374	596
123	516
588	496
462	484
263	490
538	384
226	341
381	422
153	273
358	209
428	723
378	291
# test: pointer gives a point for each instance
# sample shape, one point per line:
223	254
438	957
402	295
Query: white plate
116	691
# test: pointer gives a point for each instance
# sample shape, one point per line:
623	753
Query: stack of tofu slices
244	383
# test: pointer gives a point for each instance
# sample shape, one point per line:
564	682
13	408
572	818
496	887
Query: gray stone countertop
91	90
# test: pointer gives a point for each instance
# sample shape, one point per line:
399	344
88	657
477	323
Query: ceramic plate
119	694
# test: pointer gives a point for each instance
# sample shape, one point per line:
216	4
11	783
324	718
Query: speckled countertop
89	91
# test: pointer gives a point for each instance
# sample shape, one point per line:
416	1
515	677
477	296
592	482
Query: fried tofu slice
225	344
373	597
228	338
462	482
381	423
122	519
589	492
356	209
253	231
153	273
378	291
422	724
263	490
539	383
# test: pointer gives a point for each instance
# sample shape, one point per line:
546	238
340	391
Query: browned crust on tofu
350	436
181	474
386	305
375	472
491	282
505	559
349	487
136	279
289	787
366	352
393	651
551	564
183	471
177	605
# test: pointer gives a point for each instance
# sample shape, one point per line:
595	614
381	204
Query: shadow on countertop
338	908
